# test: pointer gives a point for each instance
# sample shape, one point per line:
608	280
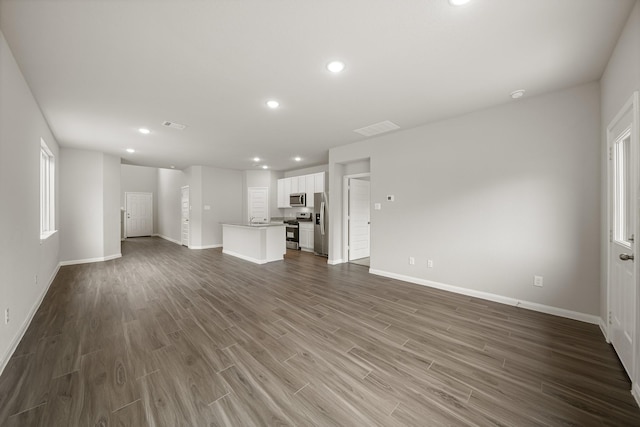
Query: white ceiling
100	69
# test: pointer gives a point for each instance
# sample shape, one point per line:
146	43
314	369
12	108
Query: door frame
630	105
345	212
185	187
126	209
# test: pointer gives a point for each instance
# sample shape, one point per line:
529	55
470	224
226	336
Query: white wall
22	255
111	206
81	205
140	179
222	192
620	79
89	206
261	178
170	183
493	198
307	171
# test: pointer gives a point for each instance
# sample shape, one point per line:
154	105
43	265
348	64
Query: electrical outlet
377	206
412	260
430	263
6	316
537	281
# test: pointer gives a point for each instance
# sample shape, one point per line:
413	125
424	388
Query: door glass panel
623	227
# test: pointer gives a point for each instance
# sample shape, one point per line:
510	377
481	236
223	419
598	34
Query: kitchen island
259	243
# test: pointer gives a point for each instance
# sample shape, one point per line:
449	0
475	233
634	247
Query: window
622	224
47	196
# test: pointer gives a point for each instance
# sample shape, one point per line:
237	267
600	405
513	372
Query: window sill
45	236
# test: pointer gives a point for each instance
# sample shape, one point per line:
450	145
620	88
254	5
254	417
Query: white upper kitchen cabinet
319	182
284	189
287	191
308	184
310	188
283	199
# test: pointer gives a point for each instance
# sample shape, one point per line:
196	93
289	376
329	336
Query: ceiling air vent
377	128
174	125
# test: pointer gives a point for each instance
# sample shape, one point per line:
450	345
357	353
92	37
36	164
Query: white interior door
185	207
623	148
258	204
359	218
139	214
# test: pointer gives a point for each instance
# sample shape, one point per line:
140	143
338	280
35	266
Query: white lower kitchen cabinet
305	236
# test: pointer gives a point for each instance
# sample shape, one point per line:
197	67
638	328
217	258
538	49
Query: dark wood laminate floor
167	336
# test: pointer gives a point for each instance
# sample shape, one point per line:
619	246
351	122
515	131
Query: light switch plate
377	206
391	198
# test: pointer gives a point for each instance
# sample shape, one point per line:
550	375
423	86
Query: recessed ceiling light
517	94
172	166
297	158
256	159
335	66
144	131
458	2
265	167
273	104
130	150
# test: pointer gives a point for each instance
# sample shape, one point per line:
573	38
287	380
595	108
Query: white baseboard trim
604	329
635	392
177	242
90	260
583	317
244	257
335	261
25	325
217	245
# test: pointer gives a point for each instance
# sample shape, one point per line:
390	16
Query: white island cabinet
259	243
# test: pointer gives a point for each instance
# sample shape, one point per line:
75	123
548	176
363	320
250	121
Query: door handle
626	257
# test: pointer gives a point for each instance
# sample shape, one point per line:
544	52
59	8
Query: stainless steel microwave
297	200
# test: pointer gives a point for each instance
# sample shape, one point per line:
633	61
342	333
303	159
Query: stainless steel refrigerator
320	224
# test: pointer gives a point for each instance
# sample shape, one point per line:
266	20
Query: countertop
255	225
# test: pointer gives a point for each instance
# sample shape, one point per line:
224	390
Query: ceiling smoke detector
173	125
377	128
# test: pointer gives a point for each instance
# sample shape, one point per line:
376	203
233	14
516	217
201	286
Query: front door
185	207
139	212
359	218
623	148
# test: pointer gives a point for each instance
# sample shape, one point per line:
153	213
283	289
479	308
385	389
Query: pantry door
622	138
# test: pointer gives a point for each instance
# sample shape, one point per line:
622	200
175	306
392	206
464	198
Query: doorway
138	214
623	144
185	209
358	218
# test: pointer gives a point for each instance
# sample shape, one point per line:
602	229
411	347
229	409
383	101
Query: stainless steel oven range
293	235
293	230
